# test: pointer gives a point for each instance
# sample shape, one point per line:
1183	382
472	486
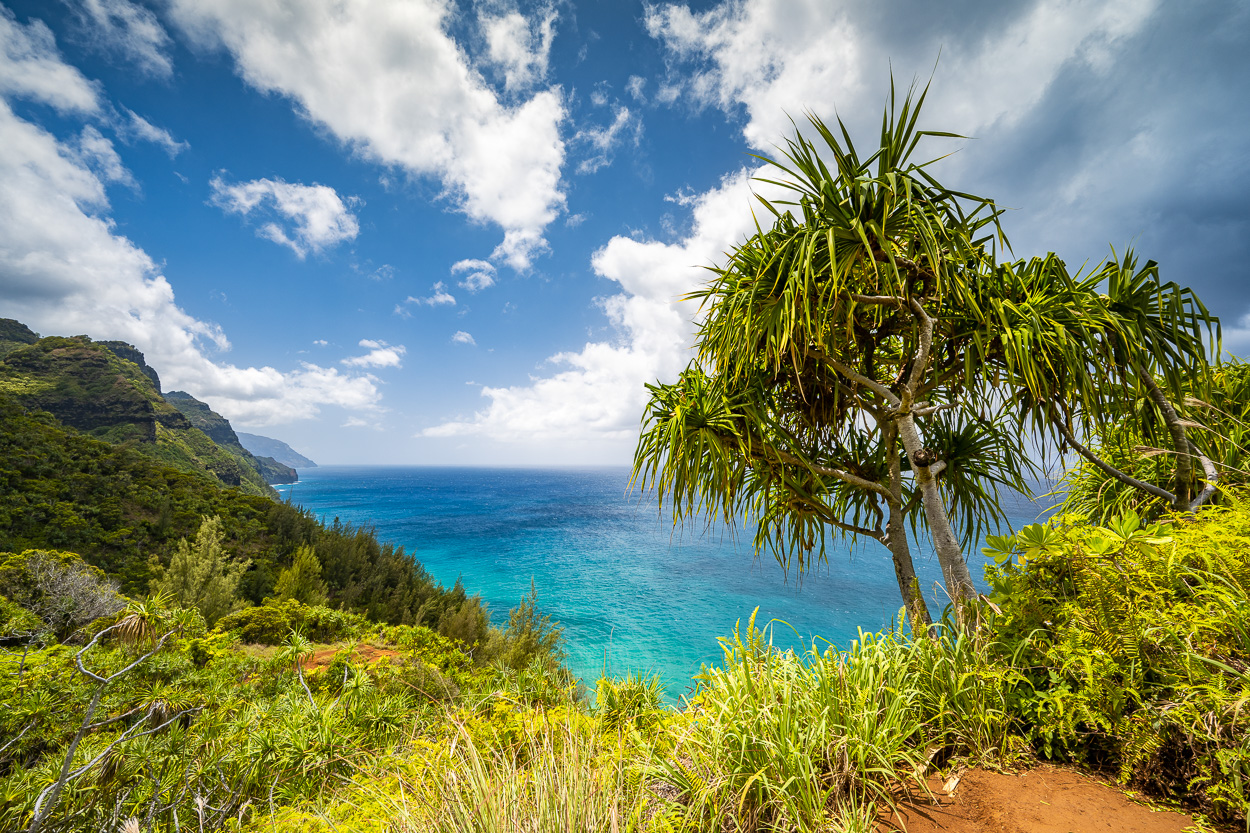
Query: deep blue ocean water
632	592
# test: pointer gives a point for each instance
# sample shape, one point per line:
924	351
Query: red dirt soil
366	652
1042	800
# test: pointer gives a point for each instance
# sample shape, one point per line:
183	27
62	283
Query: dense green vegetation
126	514
1125	648
96	388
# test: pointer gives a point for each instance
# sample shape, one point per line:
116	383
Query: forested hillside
89	387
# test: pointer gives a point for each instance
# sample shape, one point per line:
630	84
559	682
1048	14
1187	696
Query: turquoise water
632	592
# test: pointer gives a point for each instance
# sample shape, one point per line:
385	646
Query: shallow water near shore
633	593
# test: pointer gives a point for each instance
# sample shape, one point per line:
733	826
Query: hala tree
866	366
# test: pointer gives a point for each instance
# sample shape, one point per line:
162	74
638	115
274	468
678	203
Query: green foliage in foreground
203	731
1123	648
1133	646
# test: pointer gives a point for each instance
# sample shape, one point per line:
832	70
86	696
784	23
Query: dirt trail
366	652
1042	800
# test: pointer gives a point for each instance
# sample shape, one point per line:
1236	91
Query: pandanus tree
852	357
1117	349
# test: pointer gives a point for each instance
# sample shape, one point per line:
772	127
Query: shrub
15	620
57	588
1133	643
272	622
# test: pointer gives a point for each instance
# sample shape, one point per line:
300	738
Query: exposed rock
131	354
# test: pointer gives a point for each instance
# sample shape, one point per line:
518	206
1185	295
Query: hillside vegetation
1121	648
87	386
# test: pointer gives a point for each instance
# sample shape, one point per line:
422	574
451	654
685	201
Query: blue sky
415	231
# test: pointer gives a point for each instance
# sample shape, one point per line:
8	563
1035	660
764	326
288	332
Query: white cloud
135	126
461	337
128	29
635	86
518	48
388	80
67	271
598	394
320	342
438	296
315	217
779	57
601	141
481	274
380	354
97	153
31	67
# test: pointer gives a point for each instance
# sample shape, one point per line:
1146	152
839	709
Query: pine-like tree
302	580
201	575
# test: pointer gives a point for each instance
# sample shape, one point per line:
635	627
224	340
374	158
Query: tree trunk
896	539
1183	485
43	810
905	572
945	544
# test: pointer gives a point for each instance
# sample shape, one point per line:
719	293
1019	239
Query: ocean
633	592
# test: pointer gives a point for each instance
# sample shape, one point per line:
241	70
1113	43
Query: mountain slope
87	386
219	430
278	450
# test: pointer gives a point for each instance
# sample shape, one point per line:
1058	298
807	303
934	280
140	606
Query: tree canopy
866	364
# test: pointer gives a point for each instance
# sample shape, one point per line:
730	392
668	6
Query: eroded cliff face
97	388
131	354
84	386
219	430
216	426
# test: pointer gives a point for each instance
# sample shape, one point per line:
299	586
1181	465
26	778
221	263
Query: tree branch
876	387
920	364
1212	477
126	735
879	300
91	674
1111	470
1180	439
844	476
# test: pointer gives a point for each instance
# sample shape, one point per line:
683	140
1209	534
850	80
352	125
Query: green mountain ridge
98	389
219	430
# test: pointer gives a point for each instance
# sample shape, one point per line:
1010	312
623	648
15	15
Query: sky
428	232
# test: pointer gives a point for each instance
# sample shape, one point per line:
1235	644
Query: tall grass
778	741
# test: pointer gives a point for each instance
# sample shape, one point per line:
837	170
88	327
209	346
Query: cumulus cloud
517	47
597	393
303	217
480	274
129	31
1084	113
380	354
439	296
31	67
133	127
387	79
636	87
67	271
778	57
600	142
461	337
